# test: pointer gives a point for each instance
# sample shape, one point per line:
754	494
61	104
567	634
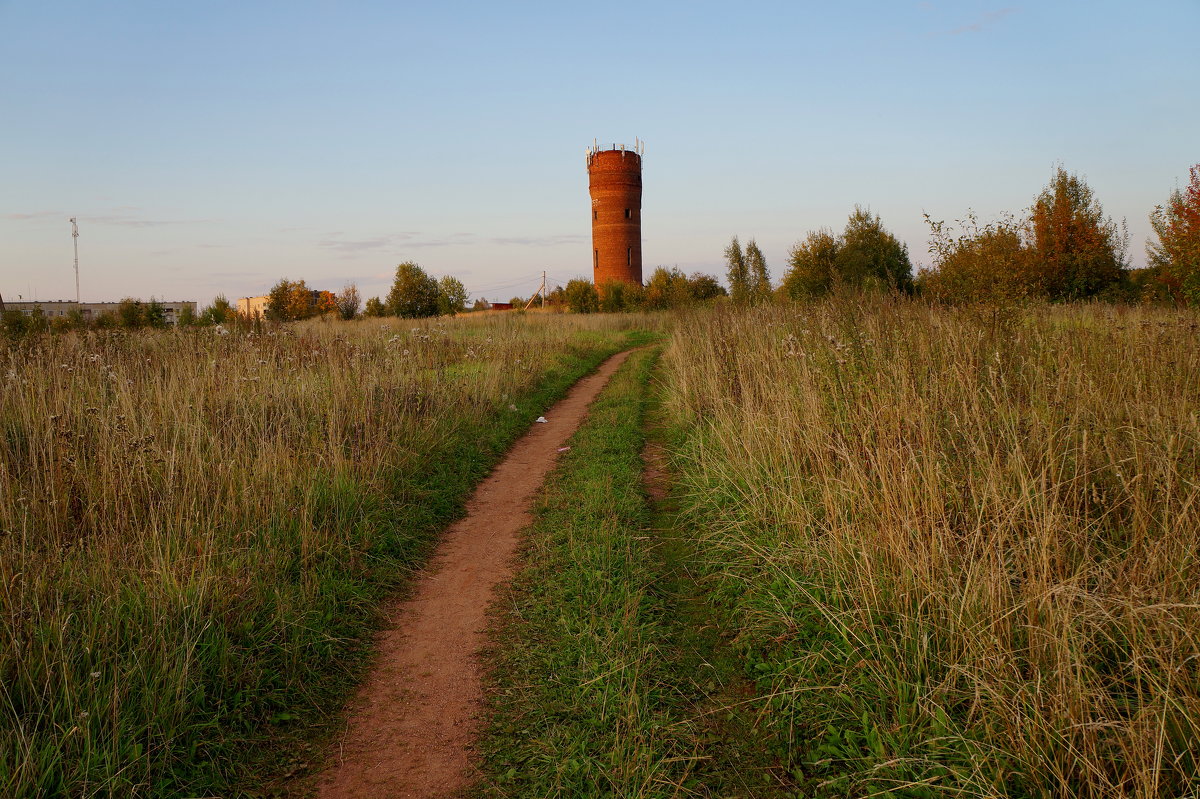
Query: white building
54	309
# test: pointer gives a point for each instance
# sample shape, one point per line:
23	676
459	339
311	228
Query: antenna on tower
75	237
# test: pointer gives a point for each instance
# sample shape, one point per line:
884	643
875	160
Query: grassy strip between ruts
607	680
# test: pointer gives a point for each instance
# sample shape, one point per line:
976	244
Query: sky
217	147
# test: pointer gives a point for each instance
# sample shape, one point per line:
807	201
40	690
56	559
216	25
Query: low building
55	309
51	309
253	307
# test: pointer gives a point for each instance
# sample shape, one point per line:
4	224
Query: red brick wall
615	183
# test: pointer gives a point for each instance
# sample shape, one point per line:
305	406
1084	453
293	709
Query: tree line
1062	248
415	294
668	287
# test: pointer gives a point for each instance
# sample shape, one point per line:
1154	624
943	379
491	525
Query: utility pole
541	291
75	237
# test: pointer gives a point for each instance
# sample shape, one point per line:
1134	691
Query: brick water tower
615	183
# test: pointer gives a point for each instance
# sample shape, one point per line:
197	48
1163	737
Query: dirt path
413	723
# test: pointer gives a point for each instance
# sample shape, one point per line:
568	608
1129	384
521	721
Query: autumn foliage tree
326	303
1077	251
1065	249
290	300
1176	254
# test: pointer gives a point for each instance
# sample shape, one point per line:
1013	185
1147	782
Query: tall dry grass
962	546
195	527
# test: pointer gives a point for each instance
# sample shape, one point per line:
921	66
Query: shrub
581	296
988	262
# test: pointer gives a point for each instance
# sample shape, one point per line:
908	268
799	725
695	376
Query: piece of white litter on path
541	419
563	449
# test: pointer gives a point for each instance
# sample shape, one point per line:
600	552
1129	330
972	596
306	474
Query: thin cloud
125	220
340	280
118	217
349	247
989	19
35	215
538	241
408	240
446	242
336	243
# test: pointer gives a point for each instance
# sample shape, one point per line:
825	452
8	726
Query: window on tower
627	214
629	256
595	259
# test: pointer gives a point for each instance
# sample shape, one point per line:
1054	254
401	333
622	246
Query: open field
196	529
901	550
959	547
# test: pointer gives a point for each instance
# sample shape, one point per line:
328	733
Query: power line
550	278
503	286
512	282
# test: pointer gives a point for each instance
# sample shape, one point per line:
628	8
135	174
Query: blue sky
219	146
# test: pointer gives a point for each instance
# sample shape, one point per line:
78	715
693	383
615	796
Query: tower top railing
639	149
